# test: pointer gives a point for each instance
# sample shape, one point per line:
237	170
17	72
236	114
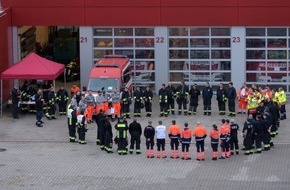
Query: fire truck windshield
96	84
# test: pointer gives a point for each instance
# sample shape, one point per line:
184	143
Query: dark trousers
72	131
126	109
150	144
182	103
135	140
122	143
160	144
214	147
185	147
222	106
82	134
192	106
232	106
174	143
248	143
148	107
102	138
163	108
207	106
225	145
38	118
283	111
15	110
51	110
258	143
234	143
62	107
200	146
137	108
171	105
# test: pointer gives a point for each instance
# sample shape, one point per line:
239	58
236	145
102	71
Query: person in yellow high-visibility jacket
252	104
282	102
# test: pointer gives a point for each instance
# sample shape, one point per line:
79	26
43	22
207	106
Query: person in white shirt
160	131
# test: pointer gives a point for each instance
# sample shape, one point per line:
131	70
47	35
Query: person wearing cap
91	103
234	142
51	103
62	98
214	141
207	93
199	132
221	97
174	135
135	131
72	121
126	101
149	133
15	93
194	95
231	96
185	137
121	136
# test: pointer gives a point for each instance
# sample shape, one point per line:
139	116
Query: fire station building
194	41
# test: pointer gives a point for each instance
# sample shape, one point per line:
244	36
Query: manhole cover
2	149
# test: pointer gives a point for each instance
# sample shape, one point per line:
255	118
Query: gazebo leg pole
1	97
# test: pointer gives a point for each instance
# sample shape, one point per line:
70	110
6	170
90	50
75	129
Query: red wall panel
47	16
125	16
264	3
6	49
42	3
264	16
199	3
123	3
199	16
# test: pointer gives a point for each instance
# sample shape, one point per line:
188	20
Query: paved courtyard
42	158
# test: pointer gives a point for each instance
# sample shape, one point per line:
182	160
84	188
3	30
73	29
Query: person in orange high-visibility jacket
200	134
225	130
91	103
214	141
242	96
174	135
116	104
185	138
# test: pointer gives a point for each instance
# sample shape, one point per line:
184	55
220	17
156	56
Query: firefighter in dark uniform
99	117
182	98
138	100
46	88
51	102
207	96
31	95
221	97
135	131
82	128
232	95
126	101
274	111
258	133
267	119
149	133
101	131
171	95
39	108
194	95
234	143
72	121
24	97
163	101
247	135
62	98
108	136
148	96
121	136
